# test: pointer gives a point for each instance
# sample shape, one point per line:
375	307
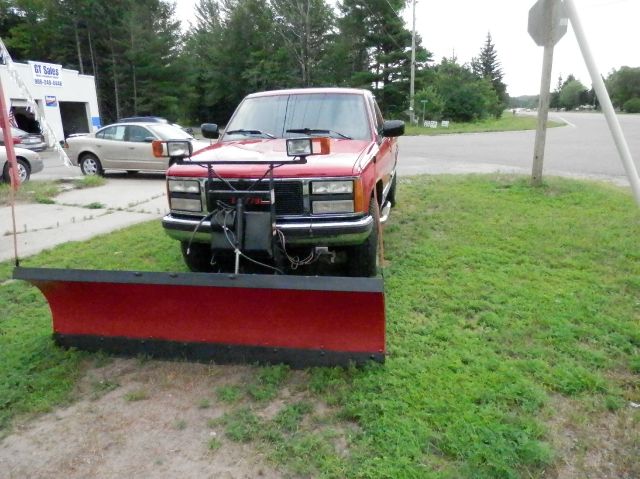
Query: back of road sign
539	21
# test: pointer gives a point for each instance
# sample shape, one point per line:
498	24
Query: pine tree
488	66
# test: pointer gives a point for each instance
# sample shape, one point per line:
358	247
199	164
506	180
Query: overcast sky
460	27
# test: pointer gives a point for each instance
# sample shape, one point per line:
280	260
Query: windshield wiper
315	131
248	132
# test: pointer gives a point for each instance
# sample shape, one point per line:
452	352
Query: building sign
50	100
46	74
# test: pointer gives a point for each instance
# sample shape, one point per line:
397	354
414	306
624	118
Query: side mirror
392	128
210	130
149	139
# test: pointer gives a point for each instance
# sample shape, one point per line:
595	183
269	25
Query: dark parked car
29	141
152	119
143	119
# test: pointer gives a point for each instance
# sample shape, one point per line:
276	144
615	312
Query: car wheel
90	165
198	259
362	260
24	172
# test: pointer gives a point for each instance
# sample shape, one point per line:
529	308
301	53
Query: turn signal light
158	148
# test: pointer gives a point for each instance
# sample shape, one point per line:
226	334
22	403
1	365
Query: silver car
123	146
29	162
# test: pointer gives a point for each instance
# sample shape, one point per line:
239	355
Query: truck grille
289	200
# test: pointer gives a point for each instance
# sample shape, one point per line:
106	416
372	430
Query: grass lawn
513	341
507	122
46	191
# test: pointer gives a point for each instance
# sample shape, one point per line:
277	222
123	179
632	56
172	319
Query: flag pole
5	124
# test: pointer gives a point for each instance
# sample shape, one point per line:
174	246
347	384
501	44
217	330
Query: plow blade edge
298	320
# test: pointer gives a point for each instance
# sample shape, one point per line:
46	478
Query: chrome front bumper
344	232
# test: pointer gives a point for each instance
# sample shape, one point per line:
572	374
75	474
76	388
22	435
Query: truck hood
343	159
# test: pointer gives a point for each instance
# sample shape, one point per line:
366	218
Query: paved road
584	148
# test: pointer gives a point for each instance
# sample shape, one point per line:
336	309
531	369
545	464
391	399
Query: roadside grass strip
503	302
506	122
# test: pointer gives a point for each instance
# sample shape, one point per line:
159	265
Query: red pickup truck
320	206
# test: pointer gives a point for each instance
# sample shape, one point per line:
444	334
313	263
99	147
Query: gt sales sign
46	74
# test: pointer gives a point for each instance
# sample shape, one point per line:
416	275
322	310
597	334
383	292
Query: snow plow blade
297	320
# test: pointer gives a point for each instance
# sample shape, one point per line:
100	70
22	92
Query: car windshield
338	115
169	132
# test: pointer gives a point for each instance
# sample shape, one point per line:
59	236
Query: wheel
199	258
391	196
90	165
362	260
24	172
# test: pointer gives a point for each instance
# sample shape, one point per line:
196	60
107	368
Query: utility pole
413	67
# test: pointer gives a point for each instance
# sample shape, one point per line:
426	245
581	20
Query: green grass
44	192
137	395
500	299
507	122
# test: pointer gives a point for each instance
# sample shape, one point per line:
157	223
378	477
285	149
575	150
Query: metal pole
605	101
545	97
13	171
413	67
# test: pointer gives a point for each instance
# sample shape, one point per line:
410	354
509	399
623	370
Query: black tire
362	260
90	165
391	196
199	258
24	171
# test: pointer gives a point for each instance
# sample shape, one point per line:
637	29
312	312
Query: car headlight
186	204
331	187
336	206
183	186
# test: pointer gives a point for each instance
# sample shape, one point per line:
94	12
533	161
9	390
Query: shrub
632	106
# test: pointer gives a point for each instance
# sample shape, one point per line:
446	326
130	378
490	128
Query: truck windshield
338	115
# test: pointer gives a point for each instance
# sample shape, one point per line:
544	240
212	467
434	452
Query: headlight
326	207
185	204
299	147
182	186
331	187
178	148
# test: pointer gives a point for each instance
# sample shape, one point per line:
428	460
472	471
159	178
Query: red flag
12	119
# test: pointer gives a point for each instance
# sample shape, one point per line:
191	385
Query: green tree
229	60
305	27
429	103
466	96
632	105
623	85
377	48
487	66
573	93
555	95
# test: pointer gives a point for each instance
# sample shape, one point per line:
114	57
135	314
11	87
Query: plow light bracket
178	149
307	146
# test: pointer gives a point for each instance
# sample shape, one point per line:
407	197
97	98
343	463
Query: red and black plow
226	318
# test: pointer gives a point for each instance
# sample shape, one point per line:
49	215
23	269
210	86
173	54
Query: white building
66	100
